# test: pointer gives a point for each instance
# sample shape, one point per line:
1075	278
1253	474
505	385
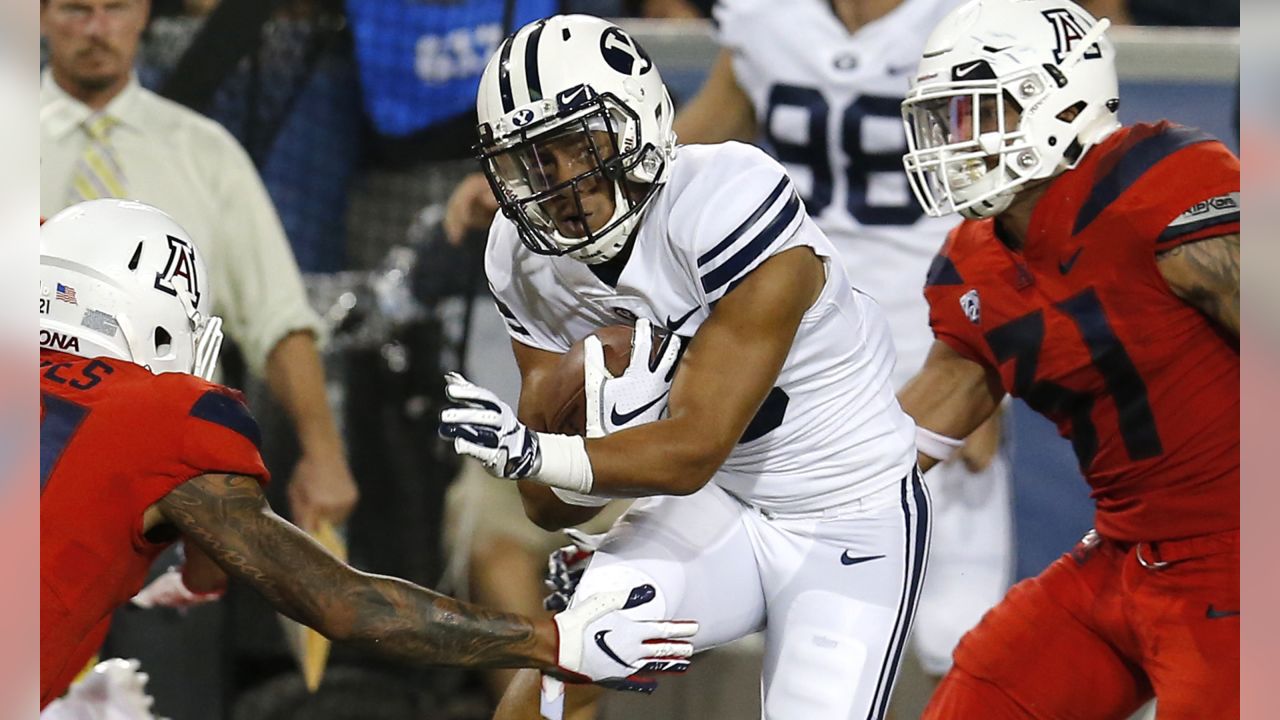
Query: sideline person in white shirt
192	168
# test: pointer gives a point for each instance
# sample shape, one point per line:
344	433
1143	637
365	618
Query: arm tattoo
228	517
1206	274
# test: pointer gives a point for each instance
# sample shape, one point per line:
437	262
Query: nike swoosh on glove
599	644
485	428
637	396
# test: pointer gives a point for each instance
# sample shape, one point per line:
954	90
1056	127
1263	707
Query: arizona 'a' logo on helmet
180	268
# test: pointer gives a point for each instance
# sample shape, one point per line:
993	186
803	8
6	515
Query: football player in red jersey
138	449
1096	276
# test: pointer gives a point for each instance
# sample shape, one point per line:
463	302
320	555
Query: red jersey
114	439
1081	324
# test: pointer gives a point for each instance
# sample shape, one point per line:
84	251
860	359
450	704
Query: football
564	399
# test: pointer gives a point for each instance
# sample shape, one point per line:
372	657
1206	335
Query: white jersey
827	103
831	431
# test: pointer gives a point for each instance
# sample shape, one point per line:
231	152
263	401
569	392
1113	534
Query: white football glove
114	690
601	645
169	591
485	428
639	395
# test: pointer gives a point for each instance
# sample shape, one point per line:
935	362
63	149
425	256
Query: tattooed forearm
1206	274
227	517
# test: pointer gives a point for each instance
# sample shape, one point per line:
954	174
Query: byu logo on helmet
181	266
1067	29
623	54
522	117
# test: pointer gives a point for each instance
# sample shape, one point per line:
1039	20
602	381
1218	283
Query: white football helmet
570	93
122	279
1007	92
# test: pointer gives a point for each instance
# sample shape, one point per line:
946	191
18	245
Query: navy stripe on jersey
510	317
723	245
531	62
1128	169
915	510
222	409
942	272
747	256
59	420
1173	232
504	75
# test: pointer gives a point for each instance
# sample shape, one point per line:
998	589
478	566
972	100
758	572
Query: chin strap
208	338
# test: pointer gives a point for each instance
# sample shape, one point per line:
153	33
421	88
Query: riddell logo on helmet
59	341
1068	31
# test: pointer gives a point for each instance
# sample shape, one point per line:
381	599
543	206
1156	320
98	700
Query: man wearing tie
104	135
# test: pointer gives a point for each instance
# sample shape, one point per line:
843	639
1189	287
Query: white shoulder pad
736	207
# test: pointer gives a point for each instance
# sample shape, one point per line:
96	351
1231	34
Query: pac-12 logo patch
180	268
1068	31
971	306
623	53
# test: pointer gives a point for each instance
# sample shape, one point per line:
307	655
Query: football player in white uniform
776	466
821	82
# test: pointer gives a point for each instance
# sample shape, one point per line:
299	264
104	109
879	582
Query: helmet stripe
531	62
504	75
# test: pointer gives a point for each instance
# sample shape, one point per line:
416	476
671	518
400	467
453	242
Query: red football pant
1095	634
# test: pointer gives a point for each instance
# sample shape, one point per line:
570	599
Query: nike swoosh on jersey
1064	266
604	647
618	418
674	325
847	559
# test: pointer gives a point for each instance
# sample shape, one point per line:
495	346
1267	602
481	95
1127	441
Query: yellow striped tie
98	173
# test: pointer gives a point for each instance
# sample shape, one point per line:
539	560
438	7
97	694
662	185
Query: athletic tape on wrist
565	463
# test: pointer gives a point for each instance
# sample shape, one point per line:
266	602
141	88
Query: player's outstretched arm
1206	274
950	397
227	516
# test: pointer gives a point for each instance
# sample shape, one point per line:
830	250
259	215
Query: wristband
565	464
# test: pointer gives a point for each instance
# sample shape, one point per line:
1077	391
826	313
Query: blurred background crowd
358	116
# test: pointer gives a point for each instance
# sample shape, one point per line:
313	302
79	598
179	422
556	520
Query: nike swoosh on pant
847	559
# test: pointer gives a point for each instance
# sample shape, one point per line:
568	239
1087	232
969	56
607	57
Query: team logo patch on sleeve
224	410
1220	210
